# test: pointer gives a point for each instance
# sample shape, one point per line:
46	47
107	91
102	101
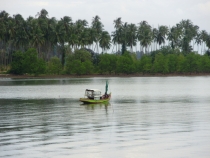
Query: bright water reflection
147	117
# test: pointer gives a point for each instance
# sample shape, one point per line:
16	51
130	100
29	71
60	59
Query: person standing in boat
106	90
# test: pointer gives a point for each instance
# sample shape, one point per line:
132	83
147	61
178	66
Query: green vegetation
54	66
81	63
27	62
44	45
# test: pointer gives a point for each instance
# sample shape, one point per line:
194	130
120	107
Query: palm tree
42	14
21	40
189	32
154	36
131	36
42	31
49	36
84	37
118	23
81	32
195	31
161	34
4	37
174	35
62	33
123	38
37	39
91	38
10	34
45	25
98	27
3	15
2	25
66	22
144	35
18	20
203	37
105	41
208	41
11	28
81	24
117	34
73	40
198	40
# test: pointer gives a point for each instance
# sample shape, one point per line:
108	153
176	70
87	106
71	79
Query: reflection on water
146	117
96	106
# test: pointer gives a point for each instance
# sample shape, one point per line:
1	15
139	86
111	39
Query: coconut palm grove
42	45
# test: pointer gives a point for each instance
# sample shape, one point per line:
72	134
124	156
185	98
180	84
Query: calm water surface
146	117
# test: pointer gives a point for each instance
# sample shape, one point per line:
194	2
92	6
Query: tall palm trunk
139	46
113	48
201	48
97	47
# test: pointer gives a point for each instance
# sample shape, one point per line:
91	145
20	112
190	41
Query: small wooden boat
94	96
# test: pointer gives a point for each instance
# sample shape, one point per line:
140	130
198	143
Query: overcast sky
155	12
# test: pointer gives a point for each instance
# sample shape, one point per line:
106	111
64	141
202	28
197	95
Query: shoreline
12	76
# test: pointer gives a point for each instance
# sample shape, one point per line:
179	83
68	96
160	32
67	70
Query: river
157	117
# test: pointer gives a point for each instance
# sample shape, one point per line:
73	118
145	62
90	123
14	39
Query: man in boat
106	89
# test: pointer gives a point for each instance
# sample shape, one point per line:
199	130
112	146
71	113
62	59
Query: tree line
82	62
59	38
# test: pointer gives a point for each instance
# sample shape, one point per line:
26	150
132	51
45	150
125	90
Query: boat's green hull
90	101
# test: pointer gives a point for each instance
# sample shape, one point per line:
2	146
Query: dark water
146	117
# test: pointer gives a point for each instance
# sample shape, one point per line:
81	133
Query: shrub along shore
82	63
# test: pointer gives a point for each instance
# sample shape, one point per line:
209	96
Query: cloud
204	7
38	4
155	12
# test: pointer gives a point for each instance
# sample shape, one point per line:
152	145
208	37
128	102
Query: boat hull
92	101
89	101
